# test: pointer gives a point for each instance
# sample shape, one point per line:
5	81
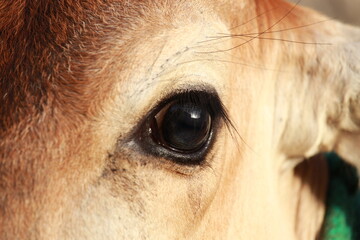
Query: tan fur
76	77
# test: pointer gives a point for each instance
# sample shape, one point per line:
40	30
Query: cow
172	119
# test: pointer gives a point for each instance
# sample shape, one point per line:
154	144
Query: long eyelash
215	107
209	100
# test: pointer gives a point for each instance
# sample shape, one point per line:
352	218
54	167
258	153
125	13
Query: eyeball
182	126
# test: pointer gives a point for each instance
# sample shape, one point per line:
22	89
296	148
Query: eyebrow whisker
261	33
225	35
231	62
283	40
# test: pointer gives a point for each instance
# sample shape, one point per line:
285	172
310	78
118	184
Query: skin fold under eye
183	127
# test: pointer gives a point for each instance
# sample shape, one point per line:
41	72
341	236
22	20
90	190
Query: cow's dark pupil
185	126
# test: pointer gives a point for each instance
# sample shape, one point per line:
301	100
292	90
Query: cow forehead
59	52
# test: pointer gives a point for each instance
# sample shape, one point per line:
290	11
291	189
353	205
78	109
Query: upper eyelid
151	109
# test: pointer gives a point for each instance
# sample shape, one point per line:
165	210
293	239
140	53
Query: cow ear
348	141
324	113
344	117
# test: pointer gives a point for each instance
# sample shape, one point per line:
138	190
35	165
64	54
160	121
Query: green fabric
342	220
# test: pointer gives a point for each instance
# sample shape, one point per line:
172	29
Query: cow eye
182	128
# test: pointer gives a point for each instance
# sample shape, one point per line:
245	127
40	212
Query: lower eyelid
136	155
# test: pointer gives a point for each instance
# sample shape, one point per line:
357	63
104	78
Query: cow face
171	119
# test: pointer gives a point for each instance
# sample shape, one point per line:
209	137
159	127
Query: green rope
342	219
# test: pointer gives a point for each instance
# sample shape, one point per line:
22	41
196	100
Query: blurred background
345	10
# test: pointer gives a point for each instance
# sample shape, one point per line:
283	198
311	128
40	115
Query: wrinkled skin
77	77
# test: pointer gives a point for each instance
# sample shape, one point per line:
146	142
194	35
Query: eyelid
203	95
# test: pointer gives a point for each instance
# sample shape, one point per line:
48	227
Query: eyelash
209	100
